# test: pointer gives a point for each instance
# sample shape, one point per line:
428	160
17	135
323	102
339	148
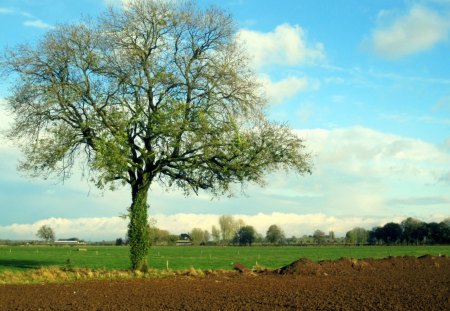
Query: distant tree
421	232
197	235
319	236
445	232
433	233
379	235
305	239
172	239
447	221
228	227
246	235
275	235
206	236
259	238
158	236
119	242
357	236
239	224
215	233
292	240
392	233
46	233
411	230
331	236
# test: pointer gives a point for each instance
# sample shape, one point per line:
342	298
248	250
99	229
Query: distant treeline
409	231
233	231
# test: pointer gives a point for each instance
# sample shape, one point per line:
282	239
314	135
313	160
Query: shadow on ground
24	264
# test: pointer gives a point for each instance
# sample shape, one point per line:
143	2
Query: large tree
411	230
229	226
319	236
198	236
275	235
215	233
160	91
246	235
357	235
46	233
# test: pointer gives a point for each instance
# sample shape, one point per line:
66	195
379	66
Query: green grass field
22	258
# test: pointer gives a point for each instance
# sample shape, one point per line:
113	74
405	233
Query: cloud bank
362	177
110	228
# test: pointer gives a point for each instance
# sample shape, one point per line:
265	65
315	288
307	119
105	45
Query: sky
365	83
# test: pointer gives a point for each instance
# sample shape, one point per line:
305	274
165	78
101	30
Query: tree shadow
24	264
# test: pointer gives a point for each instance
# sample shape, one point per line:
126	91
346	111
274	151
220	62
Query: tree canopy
275	235
246	235
158	92
357	235
46	233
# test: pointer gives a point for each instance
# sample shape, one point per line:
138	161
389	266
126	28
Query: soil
401	283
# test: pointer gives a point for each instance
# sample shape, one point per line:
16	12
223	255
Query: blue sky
365	83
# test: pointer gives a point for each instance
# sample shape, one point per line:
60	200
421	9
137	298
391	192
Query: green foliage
158	236
319	236
197	235
275	235
331	235
392	233
215	233
46	233
228	227
411	229
138	231
357	236
246	235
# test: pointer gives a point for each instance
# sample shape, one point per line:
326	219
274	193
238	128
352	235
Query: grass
103	258
56	275
50	264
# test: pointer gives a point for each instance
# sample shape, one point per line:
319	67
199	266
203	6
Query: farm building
185	239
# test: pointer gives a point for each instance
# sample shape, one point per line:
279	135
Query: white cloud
6	11
286	45
358	171
361	177
368	144
292	223
95	228
37	23
109	228
279	91
418	31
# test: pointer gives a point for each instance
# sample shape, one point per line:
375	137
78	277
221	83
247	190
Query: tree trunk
138	228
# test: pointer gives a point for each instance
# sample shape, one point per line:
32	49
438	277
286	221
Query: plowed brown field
406	283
